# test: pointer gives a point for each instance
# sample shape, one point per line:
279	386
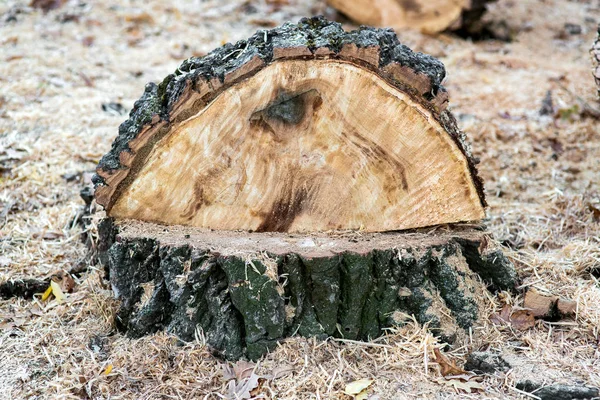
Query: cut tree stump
428	16
259	192
245	292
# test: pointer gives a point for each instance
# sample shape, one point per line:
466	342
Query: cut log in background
252	193
428	16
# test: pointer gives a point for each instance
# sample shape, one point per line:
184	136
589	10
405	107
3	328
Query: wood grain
429	16
305	145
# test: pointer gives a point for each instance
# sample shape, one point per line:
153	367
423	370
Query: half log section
428	16
266	190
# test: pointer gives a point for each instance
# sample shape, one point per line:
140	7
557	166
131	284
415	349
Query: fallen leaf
47	293
447	367
243	369
503	317
362	395
241	390
227	371
36	310
7	325
57	291
52	235
357	387
522	320
47	5
64	279
459	384
257	391
282	370
108	369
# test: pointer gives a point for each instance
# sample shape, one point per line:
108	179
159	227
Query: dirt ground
542	176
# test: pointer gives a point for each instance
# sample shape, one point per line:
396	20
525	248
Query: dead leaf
522	320
503	317
47	5
8	325
357	388
461	385
47	293
108	369
281	371
64	279
57	292
256	393
362	395
243	369
241	390
36	310
447	367
227	371
52	235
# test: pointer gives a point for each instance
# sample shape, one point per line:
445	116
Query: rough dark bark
471	22
596	60
379	50
24	288
558	391
246	291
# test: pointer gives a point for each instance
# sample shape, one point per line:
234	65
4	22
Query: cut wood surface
429	16
245	291
303	128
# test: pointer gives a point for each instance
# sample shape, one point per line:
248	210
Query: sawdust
58	68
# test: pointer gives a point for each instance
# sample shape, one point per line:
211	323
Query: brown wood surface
305	145
429	16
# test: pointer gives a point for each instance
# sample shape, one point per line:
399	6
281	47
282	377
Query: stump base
245	291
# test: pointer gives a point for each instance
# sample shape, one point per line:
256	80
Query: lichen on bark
244	303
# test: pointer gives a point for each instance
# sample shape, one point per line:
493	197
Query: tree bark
246	291
596	61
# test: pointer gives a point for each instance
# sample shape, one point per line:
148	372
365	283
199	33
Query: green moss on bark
244	304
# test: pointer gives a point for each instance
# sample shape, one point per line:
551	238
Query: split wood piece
428	16
302	128
549	307
596	60
244	292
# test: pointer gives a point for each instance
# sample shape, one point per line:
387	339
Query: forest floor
541	172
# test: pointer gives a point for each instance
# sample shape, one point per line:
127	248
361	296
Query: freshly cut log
299	129
244	292
596	60
428	16
260	192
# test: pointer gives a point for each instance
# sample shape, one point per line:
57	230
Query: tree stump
431	16
265	190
